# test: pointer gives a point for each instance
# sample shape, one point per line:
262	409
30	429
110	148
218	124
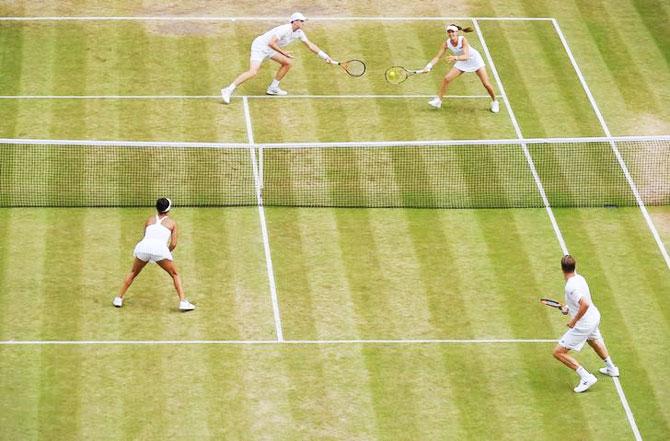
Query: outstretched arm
314	48
435	59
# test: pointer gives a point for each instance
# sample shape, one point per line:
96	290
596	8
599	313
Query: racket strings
354	68
396	75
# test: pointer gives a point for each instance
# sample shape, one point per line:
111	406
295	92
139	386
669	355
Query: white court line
564	249
271	342
264	18
631	183
264	227
617	154
517	130
209	97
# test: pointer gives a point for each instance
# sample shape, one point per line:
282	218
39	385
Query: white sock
274	84
583	373
232	87
609	363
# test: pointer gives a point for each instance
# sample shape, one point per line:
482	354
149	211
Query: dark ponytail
468	29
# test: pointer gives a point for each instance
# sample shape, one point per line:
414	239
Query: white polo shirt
284	34
576	288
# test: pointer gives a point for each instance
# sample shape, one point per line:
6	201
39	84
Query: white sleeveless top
473	63
157	231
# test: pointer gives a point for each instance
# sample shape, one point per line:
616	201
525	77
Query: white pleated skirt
148	250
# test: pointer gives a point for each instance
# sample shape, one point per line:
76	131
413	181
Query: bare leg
254	67
484	77
561	354
286	64
599	347
134	271
448	78
169	267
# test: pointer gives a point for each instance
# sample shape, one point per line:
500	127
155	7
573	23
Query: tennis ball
392	75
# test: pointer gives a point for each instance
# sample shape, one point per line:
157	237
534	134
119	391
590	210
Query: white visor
452	28
169	205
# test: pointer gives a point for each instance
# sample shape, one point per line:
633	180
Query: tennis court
387	286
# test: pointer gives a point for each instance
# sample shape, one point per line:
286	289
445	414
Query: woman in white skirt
466	59
154	248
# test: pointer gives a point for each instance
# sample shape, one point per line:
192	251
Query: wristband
323	55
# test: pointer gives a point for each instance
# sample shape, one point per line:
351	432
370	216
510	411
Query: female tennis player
154	248
466	59
269	45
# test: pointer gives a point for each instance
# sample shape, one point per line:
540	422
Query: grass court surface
356	289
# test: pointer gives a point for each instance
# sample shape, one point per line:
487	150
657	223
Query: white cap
452	28
297	16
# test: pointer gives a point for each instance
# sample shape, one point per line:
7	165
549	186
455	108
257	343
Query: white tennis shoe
226	93
612	372
118	301
436	103
276	91
586	383
185	305
495	106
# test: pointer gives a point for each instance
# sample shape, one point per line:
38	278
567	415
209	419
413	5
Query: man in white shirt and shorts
269	45
584	327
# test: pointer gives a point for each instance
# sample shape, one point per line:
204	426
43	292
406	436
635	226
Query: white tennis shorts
576	337
260	52
152	251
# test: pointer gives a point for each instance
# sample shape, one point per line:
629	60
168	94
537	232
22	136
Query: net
111	174
580	172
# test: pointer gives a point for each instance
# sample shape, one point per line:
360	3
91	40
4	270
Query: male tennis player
583	325
269	45
154	248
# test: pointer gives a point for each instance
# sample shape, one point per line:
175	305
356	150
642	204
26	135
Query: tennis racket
553	304
355	68
398	74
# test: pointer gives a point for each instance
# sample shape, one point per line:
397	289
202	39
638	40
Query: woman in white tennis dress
154	248
466	59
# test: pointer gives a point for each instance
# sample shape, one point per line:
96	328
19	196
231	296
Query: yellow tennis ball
392	74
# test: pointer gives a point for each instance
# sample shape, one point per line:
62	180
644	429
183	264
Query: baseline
259	18
207	97
270	342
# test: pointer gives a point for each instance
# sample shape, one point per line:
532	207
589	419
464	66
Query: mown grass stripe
311	409
5	258
59	402
409	310
445	304
654	15
290	255
229	411
366	278
11	60
613	48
